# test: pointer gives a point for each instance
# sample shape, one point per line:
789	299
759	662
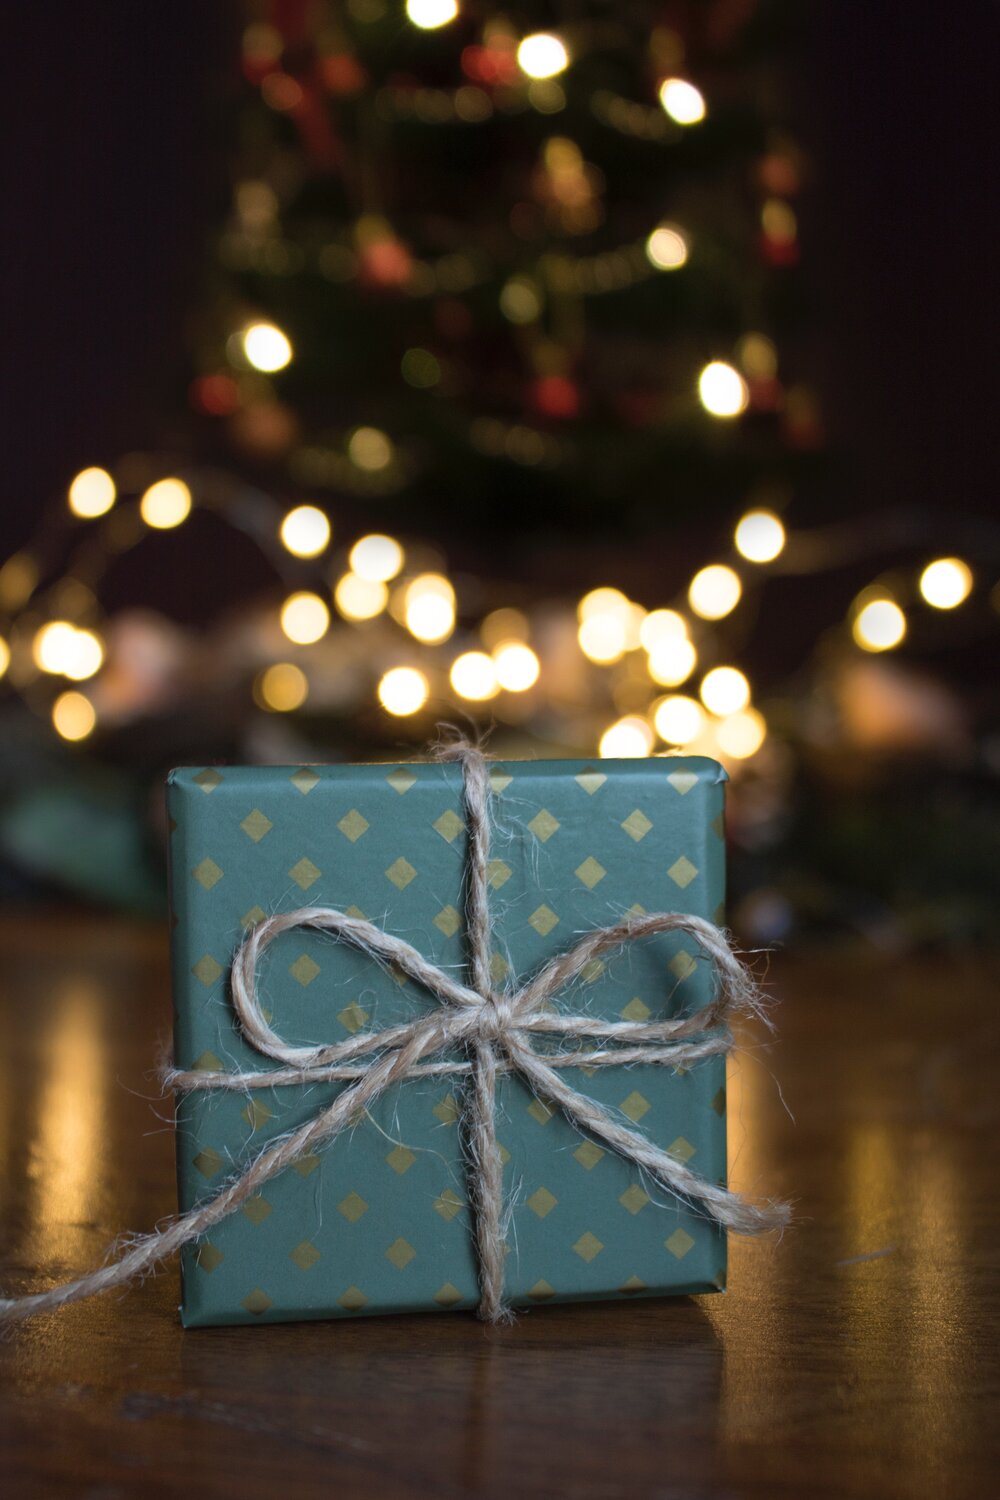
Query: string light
714	591
403	690
474	675
678	719
360	598
520	300
92	493
760	536
430	14
666	248
304	618
602	601
603	638
946	583
502	626
4	656
627	739
517	666
87	656
73	716
682	101
165	504
542	55
60	648
266	348
879	625
369	449
376	558
282	688
672	660
429	608
741	735
305	531
724	690
660	625
722	390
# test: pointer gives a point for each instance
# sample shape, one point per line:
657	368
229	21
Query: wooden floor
857	1357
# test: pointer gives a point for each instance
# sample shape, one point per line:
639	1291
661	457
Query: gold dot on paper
588	1246
256	824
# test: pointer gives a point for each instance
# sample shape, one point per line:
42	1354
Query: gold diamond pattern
306	1165
635	1106
591	781
353	1299
592	969
401	1159
540	1112
632	1287
401	872
401	780
543	825
682	1150
256	824
207	970
682	966
256	1209
352	1207
543	919
636	1010
256	1114
499	781
208	779
497	874
207	1063
305	1255
400	1253
209	1256
542	1202
449	825
207	874
304	780
637	825
682	781
447	1110
448	1204
447	1295
304	969
352	1017
304	873
682	872
588	1246
591	872
253	916
448	921
353	825
541	1291
588	1155
679	1243
499	968
256	1302
634	1198
209	1161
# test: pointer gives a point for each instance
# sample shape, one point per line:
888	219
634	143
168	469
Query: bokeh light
429	609
741	735
759	536
403	690
678	719
946	583
502	626
684	103
376	558
165	504
282	688
714	591
430	14
666	248
4	655
305	531
879	625
603	601
722	390
370	449
724	690
266	348
660	625
304	618
603	638
474	675
73	716
542	56
627	739
517	666
92	493
60	647
360	598
672	660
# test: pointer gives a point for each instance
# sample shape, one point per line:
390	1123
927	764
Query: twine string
492	1030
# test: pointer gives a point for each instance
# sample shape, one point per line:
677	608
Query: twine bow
493	1029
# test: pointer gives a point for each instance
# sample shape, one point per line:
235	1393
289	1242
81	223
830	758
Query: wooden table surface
857	1357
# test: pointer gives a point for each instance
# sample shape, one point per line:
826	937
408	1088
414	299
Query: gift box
379	1220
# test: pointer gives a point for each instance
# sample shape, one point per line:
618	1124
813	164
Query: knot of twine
493	1030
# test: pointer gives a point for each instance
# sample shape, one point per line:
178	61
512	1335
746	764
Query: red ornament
342	73
556	396
215	395
493	65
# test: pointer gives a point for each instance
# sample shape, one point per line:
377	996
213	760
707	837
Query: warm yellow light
282	688
520	300
430	14
602	602
304	618
266	347
73	716
54	645
376	558
305	531
666	248
759	536
92	493
946	583
165	504
722	390
517	666
403	690
678	719
542	55
474	675
672	660
4	656
879	626
603	638
370	449
741	735
502	626
724	690
682	101
627	739
758	356
661	625
86	657
714	591
429	608
360	598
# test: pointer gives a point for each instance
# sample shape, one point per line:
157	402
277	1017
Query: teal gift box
378	1221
